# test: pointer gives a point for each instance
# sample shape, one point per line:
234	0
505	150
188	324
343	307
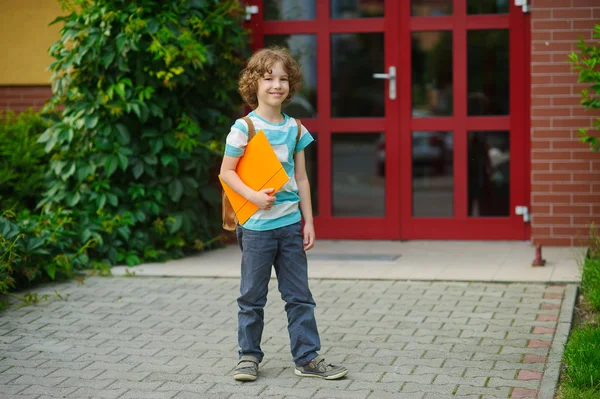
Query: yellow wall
24	40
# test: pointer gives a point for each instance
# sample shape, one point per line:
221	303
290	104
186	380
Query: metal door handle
391	76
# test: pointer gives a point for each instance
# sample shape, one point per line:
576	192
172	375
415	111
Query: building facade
433	119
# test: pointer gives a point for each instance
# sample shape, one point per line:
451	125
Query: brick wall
565	174
20	98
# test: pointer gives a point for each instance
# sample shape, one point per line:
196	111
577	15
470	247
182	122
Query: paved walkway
146	337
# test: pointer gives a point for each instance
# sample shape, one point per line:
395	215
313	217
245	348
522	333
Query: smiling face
273	87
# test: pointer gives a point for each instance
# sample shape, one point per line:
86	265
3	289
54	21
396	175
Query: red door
418	110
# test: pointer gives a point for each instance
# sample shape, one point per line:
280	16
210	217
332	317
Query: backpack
229	219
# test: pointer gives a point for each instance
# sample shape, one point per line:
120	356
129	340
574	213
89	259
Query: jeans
282	248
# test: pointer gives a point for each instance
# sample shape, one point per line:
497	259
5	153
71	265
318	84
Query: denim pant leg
258	254
292	275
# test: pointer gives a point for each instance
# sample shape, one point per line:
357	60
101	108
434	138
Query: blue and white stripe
282	138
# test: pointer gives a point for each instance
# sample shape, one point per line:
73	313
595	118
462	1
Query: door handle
391	76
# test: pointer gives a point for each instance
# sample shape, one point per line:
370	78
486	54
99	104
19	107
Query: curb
552	372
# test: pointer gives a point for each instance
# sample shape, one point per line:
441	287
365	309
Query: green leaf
123	136
156	145
108	58
176	224
167	159
74	199
150	159
121	40
91	121
112	199
68	172
175	190
110	164
120	90
138	169
123	161
50	270
83	171
101	201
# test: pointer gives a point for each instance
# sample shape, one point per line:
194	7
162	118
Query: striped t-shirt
282	137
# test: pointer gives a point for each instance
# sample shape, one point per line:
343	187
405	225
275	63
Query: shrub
36	248
587	62
23	161
149	90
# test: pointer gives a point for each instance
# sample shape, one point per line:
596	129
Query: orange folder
258	168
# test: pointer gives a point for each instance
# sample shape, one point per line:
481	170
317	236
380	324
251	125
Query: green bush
587	62
36	248
23	161
148	89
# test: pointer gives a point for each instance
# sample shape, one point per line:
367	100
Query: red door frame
398	123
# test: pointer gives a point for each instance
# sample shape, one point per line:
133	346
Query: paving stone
47	391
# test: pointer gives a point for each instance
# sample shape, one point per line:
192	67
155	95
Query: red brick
551	90
539	102
552	177
537	123
534	343
551	198
575	166
524	393
551	69
530	358
554	47
573	13
570	122
547	306
553	112
568	145
537	209
553	295
541	58
551	220
543	330
551	25
571	188
571	209
540	166
553	242
586	220
546	317
587	154
586	199
572	36
541	231
551	134
550	155
584	3
569	231
586	177
584	25
529	375
572	100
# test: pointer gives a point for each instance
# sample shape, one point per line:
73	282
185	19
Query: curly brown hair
261	63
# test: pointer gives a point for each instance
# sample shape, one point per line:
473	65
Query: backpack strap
299	132
251	131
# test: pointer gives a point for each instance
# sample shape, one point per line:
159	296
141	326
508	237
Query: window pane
310	154
358	183
355	57
489	174
487	6
488	72
276	10
431	8
432	73
357	8
304	50
433	174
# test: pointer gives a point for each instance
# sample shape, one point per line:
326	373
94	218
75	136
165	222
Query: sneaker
319	368
246	369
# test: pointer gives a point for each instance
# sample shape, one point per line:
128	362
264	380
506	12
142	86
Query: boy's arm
305	202
261	198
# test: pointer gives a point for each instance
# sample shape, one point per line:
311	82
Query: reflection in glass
357	174
433	174
355	57
487	6
357	9
276	10
431	8
431	73
488	72
489	174
303	49
311	157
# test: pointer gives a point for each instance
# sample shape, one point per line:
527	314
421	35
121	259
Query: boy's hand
309	236
263	200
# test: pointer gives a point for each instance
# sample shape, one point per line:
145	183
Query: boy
273	236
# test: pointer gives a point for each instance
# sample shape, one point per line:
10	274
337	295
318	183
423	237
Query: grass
581	374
